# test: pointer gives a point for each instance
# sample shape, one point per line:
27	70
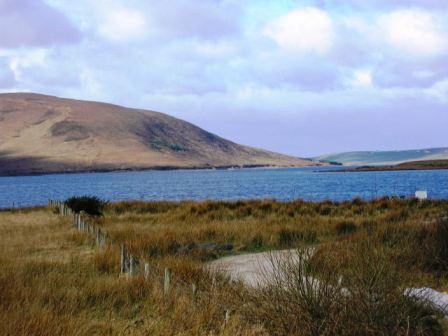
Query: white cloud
122	24
439	90
26	59
362	78
415	32
303	30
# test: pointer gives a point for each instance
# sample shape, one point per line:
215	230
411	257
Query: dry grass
54	281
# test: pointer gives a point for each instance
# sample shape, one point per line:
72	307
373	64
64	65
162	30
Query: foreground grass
54	281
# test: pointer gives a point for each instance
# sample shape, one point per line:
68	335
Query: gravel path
252	269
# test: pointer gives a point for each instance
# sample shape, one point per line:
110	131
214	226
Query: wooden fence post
103	239
147	270
98	237
194	290
227	318
122	259
167	281
133	267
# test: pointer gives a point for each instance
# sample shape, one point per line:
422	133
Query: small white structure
421	194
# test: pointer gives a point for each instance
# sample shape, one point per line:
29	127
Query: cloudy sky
300	77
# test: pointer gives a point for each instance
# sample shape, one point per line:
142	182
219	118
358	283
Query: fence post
227	318
122	259
194	290
147	270
132	266
167	281
103	239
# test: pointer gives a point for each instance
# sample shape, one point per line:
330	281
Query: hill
410	165
45	134
385	157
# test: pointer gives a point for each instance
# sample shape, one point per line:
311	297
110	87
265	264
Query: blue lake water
281	184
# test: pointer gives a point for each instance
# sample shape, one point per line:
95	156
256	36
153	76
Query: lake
281	184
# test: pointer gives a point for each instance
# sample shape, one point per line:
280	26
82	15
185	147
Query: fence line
130	265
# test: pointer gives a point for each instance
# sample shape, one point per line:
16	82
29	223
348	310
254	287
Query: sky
299	77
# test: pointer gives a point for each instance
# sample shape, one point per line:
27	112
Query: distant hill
45	134
409	165
385	157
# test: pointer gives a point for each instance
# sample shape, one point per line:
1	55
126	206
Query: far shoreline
157	168
406	166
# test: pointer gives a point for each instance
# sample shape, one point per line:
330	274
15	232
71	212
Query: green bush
91	205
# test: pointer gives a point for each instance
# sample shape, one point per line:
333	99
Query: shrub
433	246
286	237
344	228
257	242
91	205
306	298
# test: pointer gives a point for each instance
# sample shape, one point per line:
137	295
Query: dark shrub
343	228
433	246
91	205
286	237
257	241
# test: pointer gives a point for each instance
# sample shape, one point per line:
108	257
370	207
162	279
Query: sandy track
253	269
257	268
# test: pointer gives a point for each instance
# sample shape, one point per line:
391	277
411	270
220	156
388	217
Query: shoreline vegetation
411	165
55	280
155	168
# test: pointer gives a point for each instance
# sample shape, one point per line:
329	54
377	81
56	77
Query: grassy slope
53	280
386	157
41	133
411	165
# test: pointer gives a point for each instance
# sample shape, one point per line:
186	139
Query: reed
55	280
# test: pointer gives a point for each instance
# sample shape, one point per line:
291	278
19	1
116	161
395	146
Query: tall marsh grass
53	281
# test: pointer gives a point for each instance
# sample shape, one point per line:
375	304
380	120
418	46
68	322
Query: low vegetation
53	280
90	205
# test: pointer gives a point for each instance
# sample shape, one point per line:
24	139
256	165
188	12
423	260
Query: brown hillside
44	134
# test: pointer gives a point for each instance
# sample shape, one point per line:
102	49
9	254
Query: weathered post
227	318
122	259
103	238
147	271
133	267
98	237
194	290
167	281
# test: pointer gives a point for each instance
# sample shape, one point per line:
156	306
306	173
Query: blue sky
299	77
